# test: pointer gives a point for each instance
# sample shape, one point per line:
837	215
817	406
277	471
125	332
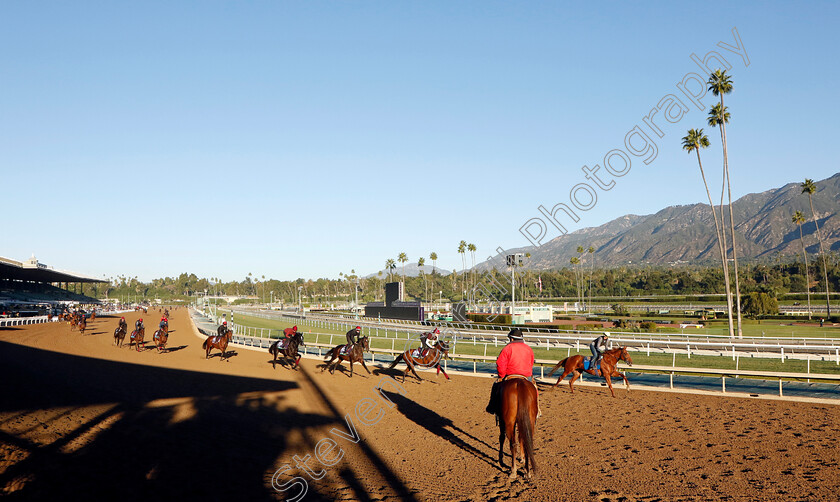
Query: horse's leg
411	367
609	381
441	370
575	376
364	365
626	382
501	440
566	371
510	432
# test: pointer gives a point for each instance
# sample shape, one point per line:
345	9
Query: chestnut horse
354	355
137	337
576	364
82	325
119	335
217	342
289	349
518	415
431	359
160	337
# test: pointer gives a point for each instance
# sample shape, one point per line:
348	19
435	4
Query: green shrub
648	326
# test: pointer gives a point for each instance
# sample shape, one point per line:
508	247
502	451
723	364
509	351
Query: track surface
80	417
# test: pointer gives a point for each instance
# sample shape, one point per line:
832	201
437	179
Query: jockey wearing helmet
163	323
516	358
123	325
138	325
428	341
222	329
598	347
353	335
290	332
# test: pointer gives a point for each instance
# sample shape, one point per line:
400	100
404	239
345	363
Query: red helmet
294	328
162	318
224	322
122	318
437	331
358	328
141	319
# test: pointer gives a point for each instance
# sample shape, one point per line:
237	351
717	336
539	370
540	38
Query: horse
119	335
72	321
93	315
159	338
431	359
288	350
576	364
518	415
354	355
82	325
217	342
137	336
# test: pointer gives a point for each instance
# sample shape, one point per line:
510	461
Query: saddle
587	363
345	349
283	343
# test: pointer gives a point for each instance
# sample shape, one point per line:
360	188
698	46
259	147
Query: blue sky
304	139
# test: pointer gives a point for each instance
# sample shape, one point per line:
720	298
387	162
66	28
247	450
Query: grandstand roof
32	271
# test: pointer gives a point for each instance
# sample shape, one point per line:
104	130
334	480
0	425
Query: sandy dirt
82	418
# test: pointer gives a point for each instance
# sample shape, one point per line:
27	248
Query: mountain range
686	234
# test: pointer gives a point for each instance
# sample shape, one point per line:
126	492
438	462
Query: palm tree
390	265
693	142
574	260
720	83
799	219
402	258
462	250
421	263
809	187
433	257
591	250
472	249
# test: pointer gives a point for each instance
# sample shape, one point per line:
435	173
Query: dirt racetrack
80	418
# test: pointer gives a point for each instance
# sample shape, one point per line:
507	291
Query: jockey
598	347
516	358
163	322
222	329
353	336
123	325
428	341
290	332
138	325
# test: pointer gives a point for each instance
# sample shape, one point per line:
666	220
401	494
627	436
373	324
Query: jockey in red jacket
516	358
290	332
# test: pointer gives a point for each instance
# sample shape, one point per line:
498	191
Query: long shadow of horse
442	427
228	354
180	435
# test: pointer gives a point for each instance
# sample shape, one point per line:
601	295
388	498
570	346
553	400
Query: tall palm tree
472	249
421	263
390	265
809	187
402	258
720	83
574	260
433	257
693	142
591	251
799	219
462	250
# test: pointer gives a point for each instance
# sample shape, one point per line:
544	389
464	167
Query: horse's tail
396	361
557	366
204	346
331	353
526	432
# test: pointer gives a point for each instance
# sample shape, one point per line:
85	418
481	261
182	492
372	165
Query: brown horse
159	338
518	415
92	315
119	335
288	350
137	337
217	342
82	325
354	355
72	321
431	359
577	363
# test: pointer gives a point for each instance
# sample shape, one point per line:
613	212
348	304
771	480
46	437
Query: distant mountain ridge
686	234
411	270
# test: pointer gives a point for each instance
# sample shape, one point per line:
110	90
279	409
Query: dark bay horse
160	337
431	359
354	355
217	342
289	350
82	325
137	337
575	364
119	336
518	415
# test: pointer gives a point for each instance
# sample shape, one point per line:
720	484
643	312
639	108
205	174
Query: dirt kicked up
80	417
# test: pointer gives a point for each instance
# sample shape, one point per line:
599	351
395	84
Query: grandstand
33	288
